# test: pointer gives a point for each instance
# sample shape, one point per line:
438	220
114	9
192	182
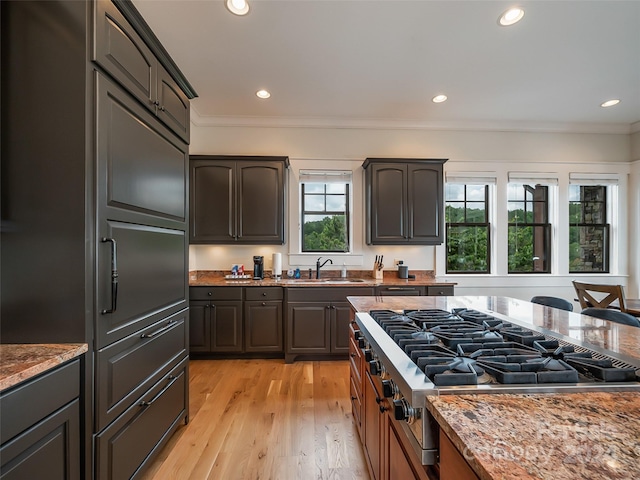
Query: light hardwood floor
264	419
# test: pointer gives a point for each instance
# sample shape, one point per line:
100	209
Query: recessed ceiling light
511	16
237	7
610	103
263	94
439	98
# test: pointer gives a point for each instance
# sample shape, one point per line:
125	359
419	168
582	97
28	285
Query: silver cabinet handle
114	275
160	330
172	380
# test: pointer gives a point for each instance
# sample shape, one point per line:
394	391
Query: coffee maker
258	267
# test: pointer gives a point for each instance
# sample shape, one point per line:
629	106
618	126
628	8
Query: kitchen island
589	435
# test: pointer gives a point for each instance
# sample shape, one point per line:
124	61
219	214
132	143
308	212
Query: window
529	230
325	211
588	229
467	228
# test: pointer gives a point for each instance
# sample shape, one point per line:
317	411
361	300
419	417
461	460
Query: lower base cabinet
40	433
453	466
236	320
123	448
318	319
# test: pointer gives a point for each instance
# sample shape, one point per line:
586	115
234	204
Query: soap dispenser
344	270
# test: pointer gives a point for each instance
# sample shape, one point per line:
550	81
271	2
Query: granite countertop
615	337
592	435
20	362
545	436
329	278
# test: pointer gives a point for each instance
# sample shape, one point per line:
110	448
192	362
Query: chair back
554	302
607	294
612	316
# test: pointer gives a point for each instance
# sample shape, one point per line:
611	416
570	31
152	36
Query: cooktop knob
374	367
388	388
368	355
399	410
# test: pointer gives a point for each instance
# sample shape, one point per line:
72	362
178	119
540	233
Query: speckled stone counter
355	278
588	436
593	435
591	331
20	362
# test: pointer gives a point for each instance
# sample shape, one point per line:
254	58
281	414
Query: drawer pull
114	275
160	330
172	380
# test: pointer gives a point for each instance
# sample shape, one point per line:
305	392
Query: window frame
605	225
486	224
546	226
346	213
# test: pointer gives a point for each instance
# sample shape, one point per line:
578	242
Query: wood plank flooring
264	419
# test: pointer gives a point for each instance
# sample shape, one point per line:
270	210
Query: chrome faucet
319	266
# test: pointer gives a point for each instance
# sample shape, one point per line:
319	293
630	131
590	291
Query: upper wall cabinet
237	199
404	201
125	55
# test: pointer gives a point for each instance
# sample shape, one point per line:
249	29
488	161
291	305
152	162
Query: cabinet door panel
372	417
151	278
263	327
308	328
425	203
173	108
399	466
142	167
260	200
127	368
226	327
212	203
51	449
340	321
388	203
121	51
199	327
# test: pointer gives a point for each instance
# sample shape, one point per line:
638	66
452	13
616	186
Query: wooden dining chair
600	296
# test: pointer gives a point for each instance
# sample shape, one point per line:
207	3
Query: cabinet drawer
400	291
215	293
129	367
30	402
263	293
442	290
142	429
326	294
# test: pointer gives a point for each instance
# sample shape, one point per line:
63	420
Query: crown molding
394	124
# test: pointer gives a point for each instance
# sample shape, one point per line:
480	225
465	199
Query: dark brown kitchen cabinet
404	201
40	434
237	200
263	320
216	322
410	290
103	249
317	320
121	51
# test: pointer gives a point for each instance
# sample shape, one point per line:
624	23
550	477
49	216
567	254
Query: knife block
377	274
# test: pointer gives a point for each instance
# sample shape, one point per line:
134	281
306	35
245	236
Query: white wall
498	152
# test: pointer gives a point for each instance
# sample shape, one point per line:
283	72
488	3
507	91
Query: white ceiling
379	62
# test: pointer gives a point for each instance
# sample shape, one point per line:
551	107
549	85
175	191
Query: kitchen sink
342	280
